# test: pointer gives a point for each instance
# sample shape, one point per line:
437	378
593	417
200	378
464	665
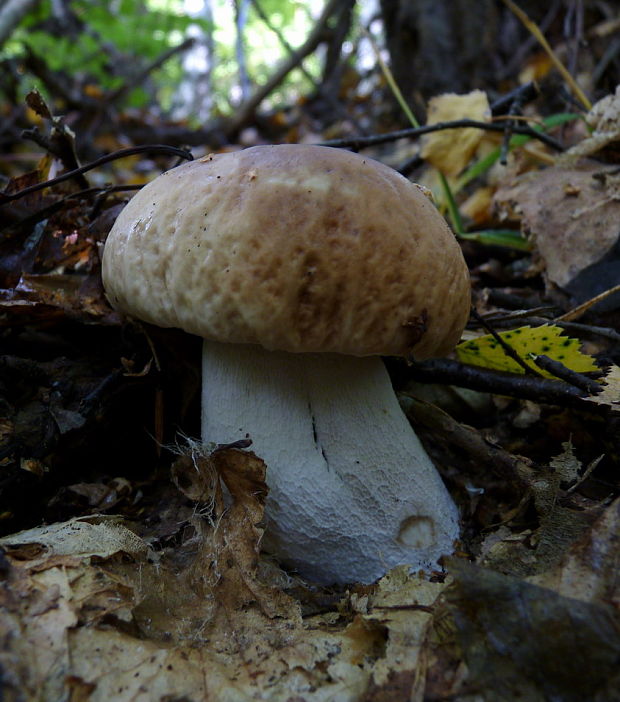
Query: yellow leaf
478	205
450	150
536	68
547	340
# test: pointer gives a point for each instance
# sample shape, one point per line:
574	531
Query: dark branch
570	376
357	143
525	387
160	148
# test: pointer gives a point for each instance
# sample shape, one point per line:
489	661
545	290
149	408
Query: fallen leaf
450	150
589	571
522	641
575	235
126	625
478	205
82	537
548	340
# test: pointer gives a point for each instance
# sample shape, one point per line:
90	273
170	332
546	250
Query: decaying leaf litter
132	576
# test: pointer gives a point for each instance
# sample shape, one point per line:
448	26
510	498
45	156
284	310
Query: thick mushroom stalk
352	492
307	250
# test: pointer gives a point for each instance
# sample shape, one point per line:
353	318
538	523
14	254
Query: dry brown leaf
451	150
82	537
591	569
124	626
522	641
236	539
566	464
247	656
403	604
572	217
478	206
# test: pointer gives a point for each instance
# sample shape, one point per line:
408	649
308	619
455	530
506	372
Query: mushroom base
352	492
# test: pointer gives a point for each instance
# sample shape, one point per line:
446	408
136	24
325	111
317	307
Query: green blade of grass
483	165
508	238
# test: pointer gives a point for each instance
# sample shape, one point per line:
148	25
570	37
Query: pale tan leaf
610	395
571	215
96	535
450	150
567	465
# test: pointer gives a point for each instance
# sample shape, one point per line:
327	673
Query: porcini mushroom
299	266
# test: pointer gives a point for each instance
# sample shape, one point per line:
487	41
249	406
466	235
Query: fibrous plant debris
91	606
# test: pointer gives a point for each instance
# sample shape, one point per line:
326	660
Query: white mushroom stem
352	492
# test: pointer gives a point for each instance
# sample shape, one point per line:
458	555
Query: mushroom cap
293	247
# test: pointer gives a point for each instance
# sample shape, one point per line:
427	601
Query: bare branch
498	126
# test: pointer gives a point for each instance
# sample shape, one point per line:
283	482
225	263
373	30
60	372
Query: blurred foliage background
210	68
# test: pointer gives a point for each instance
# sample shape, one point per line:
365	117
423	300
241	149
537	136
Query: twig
586	474
525	387
331	100
281	38
578	311
505	320
506	347
89	402
357	143
46	212
535	31
606	332
160	148
570	376
468	440
503	317
523	94
514	111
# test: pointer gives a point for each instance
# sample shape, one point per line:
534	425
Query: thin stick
567	374
387	74
162	148
578	311
533	29
361	142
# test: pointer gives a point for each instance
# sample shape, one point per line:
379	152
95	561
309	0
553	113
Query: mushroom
300	266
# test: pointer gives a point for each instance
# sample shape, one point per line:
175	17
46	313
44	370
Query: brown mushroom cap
297	248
